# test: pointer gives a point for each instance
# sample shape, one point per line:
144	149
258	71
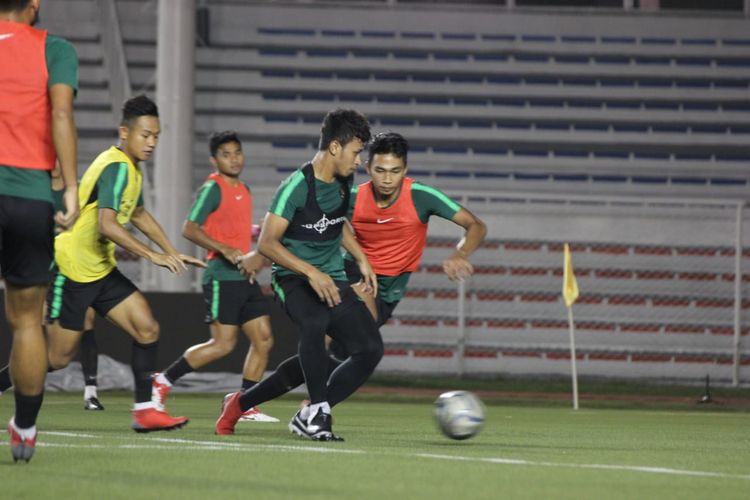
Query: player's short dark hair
13	5
388	143
343	126
136	107
218	138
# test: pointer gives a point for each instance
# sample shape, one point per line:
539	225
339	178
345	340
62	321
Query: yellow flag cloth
570	286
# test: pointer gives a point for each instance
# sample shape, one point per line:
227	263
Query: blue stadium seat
648	179
693	181
287	31
530	177
492	175
338	33
459	36
577	39
721	181
377	34
618	39
498	37
658	41
277	51
698	41
609	178
742	42
570	177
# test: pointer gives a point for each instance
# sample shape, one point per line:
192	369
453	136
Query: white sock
89	392
304	413
144	406
24	433
163	380
324	407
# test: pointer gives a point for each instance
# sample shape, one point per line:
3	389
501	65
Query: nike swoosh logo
5	36
383	221
238	197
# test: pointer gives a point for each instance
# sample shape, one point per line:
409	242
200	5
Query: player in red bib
221	221
389	215
38	81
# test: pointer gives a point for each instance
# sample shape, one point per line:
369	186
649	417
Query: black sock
27	409
143	364
177	369
247	383
5	382
89	357
367	351
287	376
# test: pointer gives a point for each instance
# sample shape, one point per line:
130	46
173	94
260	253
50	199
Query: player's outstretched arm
457	266
369	278
65	139
111	229
194	233
171	258
269	244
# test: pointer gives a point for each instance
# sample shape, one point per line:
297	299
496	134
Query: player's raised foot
21	448
255	414
152	419
159	390
317	429
230	414
92	403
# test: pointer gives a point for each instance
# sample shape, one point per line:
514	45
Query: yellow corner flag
570	286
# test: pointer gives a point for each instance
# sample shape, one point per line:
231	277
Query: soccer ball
459	414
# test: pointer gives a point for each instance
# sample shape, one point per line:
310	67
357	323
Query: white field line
631	468
191	444
183	444
68	434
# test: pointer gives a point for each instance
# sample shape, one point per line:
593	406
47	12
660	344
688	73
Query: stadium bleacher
526	102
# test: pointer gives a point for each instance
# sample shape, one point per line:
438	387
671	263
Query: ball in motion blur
459	414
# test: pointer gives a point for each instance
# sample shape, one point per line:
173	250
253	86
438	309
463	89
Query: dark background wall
180	316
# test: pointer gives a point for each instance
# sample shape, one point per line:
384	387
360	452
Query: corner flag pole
570	295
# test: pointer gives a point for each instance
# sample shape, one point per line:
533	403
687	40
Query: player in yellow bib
110	196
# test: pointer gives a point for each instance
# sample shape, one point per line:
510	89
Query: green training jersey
290	197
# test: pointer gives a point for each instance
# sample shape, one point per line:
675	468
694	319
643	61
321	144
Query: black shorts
67	300
310	314
26	241
385	309
234	302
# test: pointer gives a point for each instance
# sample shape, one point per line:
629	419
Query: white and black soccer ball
459	414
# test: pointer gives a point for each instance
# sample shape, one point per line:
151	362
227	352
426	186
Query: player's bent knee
223	348
147	334
58	361
264	345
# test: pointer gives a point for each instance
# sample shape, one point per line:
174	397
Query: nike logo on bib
5	36
383	221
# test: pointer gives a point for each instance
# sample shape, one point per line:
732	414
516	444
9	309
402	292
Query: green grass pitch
392	451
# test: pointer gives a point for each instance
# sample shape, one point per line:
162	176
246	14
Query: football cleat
317	429
20	448
230	414
92	403
152	419
255	414
159	392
